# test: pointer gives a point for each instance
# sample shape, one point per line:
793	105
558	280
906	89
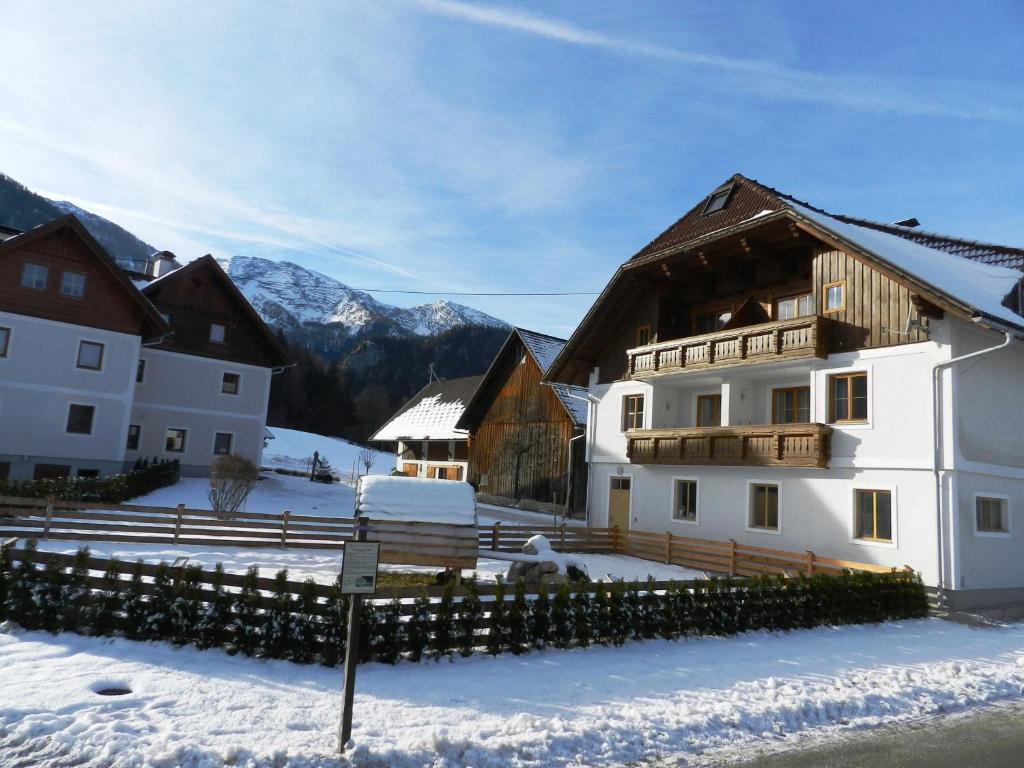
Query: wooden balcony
767	445
801	337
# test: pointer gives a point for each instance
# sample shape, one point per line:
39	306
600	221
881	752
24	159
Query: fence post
615	539
49	515
284	529
810	563
561	538
177	523
732	557
668	547
495	535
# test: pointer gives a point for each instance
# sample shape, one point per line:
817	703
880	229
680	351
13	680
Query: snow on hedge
416	499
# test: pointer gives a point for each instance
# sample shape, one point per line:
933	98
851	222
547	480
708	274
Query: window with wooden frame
134	433
5	341
709	410
791	405
684	502
90	355
632	412
34	276
764	507
72	285
222	443
833	297
80	419
709	322
873	515
794	306
174	441
848	398
230	383
217	333
991	514
643	336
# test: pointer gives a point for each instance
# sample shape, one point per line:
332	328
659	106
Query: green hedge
115	489
303	628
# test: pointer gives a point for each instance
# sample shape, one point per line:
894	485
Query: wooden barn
522	434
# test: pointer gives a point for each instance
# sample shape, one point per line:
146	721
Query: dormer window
217	332
718	200
34	276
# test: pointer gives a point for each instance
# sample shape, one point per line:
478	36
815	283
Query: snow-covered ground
292	449
653	701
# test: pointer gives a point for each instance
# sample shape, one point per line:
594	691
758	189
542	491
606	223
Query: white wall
184	392
39	379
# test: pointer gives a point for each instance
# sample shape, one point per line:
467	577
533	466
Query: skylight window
718	200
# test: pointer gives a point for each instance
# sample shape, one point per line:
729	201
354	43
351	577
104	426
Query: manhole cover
114	691
110	688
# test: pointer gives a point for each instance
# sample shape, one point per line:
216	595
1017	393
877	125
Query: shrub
232	479
114	489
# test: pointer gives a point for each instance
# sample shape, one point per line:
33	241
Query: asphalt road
992	737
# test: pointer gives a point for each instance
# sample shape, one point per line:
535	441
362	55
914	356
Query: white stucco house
96	373
767	372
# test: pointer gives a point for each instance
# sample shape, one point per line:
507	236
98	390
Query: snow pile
416	499
542	553
292	449
643	703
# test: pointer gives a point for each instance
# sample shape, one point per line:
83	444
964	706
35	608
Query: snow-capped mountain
128	250
288	295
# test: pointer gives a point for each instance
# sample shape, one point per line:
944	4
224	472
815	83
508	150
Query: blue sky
450	146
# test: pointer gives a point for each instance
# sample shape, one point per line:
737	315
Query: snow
292	449
432	413
650	701
416	499
981	286
544	554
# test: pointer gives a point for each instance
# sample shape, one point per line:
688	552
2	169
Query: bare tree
367	457
232	478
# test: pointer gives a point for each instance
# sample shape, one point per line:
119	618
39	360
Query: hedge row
115	489
302	628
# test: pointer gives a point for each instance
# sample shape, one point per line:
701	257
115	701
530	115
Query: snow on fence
305	622
403	542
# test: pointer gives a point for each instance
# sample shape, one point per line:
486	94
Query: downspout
937	468
590	400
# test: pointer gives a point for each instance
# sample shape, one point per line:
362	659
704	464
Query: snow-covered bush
232	479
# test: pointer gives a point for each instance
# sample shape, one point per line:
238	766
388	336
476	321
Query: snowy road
653	701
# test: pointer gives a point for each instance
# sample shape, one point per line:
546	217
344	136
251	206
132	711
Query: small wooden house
522	434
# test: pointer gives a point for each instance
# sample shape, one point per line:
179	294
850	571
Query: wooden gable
108	301
200	295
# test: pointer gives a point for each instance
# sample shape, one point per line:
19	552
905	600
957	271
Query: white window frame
21	279
5	351
213	448
238	388
139	448
184	441
63	276
894	504
672	500
1007	511
78	355
92	422
224	333
750	499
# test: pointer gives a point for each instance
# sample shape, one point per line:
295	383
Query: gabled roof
543	349
278	354
971	278
432	413
153	326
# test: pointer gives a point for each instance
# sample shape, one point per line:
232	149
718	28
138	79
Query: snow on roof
577	408
432	413
416	499
980	286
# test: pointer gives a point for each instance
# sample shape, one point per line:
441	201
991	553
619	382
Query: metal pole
348	690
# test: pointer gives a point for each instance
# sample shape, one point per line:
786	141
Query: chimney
160	263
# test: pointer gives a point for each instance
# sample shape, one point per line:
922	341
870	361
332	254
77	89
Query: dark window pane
80	419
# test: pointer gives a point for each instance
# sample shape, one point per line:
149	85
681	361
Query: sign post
358	578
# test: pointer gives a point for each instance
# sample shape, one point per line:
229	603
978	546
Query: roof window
718	200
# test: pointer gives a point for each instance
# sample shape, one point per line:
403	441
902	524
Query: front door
618	503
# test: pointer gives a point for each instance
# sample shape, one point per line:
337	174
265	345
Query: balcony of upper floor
753	445
794	338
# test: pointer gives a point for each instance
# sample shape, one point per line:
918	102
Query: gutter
937	468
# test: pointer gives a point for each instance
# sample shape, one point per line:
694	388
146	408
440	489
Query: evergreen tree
25	610
306	624
159	624
582	617
335	625
561	617
650	611
540	618
6	578
213	625
497	621
518	620
187	606
633	610
618	619
601	614
390	638
106	616
246	624
470	616
417	628
134	602
445	629
49	597
368	631
276	642
77	614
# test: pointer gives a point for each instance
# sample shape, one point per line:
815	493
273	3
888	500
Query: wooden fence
404	543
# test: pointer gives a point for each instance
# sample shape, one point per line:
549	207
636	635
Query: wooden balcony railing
766	342
768	445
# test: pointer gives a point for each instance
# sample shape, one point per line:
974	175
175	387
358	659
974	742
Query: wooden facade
108	301
781	445
520	432
201	294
